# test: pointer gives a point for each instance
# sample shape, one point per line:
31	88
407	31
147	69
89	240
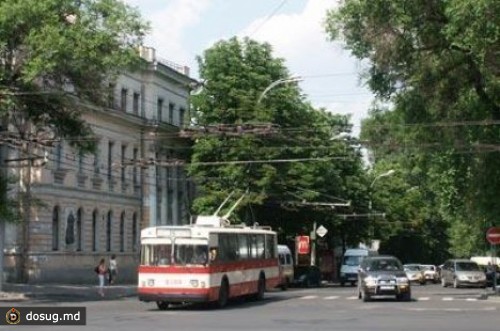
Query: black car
490	271
382	276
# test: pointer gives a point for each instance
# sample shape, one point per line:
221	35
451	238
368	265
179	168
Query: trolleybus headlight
194	282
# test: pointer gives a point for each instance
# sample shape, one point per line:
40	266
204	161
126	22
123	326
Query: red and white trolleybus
209	261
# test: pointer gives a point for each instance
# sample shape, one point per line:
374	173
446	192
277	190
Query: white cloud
327	68
169	24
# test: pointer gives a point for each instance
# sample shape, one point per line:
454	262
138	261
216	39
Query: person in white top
113	269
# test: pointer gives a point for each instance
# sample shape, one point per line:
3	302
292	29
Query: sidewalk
28	292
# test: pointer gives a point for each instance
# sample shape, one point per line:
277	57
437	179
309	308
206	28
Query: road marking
333	297
308	297
471	299
447	299
423	299
352	298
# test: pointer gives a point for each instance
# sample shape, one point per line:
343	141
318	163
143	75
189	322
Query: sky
183	29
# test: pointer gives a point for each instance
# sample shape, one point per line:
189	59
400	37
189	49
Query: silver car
381	276
461	272
415	273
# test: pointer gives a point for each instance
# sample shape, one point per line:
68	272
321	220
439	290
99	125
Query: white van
286	266
350	264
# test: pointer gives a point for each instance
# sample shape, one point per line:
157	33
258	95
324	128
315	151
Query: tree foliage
436	62
280	170
55	52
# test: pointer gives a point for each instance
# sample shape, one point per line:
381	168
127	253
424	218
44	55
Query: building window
134	169
80	161
123	100
70	230
124	152
108	231
171	108
122	232
79	220
55	228
182	113
96	162
134	232
110	164
59	155
94	230
136	103
160	110
111	95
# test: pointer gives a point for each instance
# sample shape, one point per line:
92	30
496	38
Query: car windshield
412	267
352	260
428	267
385	265
467	266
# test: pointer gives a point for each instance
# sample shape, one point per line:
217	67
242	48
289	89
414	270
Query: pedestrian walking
101	271
113	269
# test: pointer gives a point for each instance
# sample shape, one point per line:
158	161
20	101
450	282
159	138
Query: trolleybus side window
243	246
270	246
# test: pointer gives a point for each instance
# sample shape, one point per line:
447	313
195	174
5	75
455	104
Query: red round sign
493	235
302	244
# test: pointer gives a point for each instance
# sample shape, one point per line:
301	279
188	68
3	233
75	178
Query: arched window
108	231
70	230
79	220
122	232
94	230
134	232
55	229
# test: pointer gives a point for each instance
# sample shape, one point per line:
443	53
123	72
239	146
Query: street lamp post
385	174
278	82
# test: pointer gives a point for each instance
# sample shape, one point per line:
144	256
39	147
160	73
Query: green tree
284	171
56	58
436	63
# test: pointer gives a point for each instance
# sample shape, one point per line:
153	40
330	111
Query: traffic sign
321	231
302	244
493	235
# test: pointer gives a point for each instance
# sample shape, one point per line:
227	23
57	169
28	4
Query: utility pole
27	207
3	177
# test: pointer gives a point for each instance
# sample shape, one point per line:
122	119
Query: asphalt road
327	308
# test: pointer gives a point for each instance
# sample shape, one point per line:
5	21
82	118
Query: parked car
461	272
381	276
307	276
490	275
414	273
285	260
430	273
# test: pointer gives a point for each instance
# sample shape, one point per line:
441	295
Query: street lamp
385	174
278	82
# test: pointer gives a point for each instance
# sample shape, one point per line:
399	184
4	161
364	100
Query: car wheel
404	296
223	294
443	282
365	296
261	288
285	284
162	305
342	284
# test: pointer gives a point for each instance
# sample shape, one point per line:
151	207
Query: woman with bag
101	271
